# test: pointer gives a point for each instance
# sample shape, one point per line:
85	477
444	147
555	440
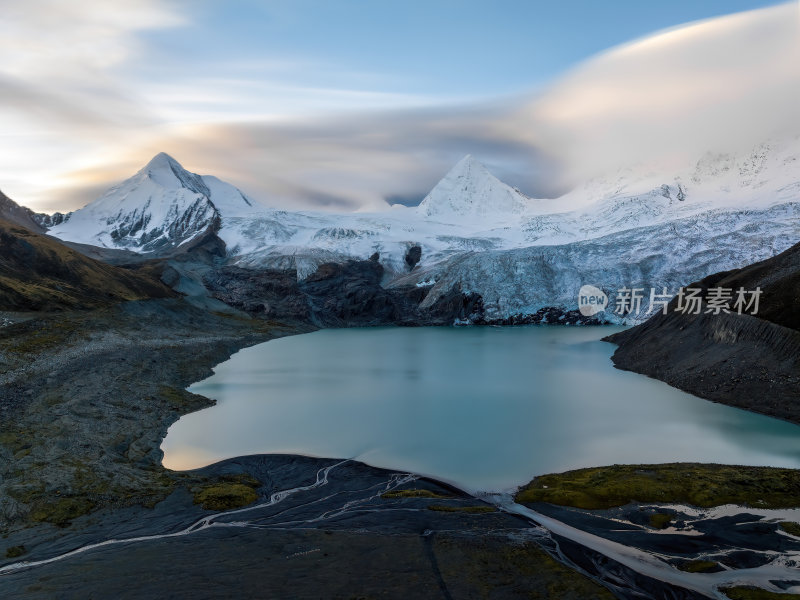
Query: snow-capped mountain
162	206
643	227
470	191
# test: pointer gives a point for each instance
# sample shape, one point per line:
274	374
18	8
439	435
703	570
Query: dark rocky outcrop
209	246
337	295
413	256
549	315
749	361
47	221
452	306
266	293
350	294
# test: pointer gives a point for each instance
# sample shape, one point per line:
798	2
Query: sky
353	104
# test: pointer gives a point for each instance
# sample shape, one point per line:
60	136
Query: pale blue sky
453	48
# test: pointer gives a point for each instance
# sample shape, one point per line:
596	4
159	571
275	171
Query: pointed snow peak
470	190
168	172
162	206
468	173
162	157
469	165
162	162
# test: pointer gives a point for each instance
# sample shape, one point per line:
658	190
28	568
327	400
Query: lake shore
86	400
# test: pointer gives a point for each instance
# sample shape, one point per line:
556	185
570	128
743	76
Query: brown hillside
18	215
40	273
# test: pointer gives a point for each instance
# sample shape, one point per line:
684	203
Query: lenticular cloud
720	83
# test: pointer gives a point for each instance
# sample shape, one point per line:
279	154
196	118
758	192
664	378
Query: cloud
63	99
84	103
718	84
82	108
355	160
65	40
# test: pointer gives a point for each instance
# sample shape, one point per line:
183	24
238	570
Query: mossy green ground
686	483
40	273
181	400
16	551
227	494
429	494
699	566
790	528
660	520
85	440
61	511
46	335
481	569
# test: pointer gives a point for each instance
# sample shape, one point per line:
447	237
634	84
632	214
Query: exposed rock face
47	221
413	256
269	293
449	307
350	294
748	361
549	315
338	295
18	215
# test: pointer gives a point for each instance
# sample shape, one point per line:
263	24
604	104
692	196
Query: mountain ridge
12	212
724	212
159	208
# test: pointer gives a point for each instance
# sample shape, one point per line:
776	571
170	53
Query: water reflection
486	408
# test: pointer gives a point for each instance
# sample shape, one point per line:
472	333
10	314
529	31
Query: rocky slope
40	273
12	212
750	361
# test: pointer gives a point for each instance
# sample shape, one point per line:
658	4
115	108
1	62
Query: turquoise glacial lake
484	408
